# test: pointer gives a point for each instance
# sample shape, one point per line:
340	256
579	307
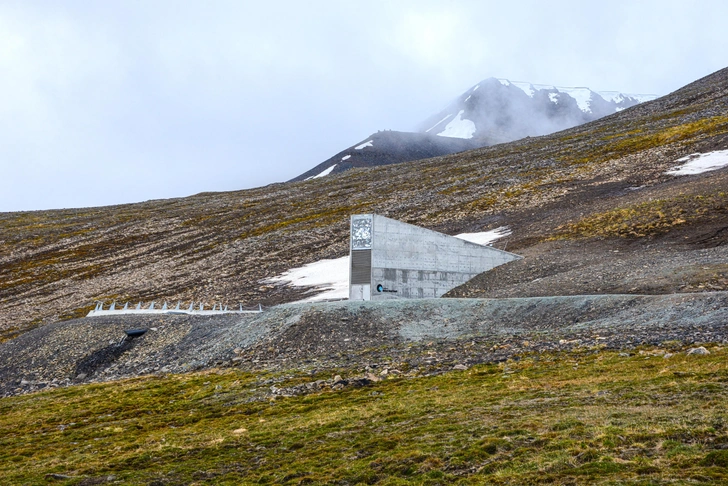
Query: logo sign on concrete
361	233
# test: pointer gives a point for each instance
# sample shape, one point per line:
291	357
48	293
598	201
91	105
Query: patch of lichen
621	144
310	220
450	190
679	112
237	213
646	219
525	185
705	127
703	277
77	313
79	262
10	333
630	133
42	228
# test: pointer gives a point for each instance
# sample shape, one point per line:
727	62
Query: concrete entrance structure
389	259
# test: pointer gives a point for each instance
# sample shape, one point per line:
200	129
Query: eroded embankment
426	335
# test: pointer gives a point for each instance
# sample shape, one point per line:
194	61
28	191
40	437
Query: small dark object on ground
133	333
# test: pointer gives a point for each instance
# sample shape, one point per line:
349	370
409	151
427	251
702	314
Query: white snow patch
617	97
370	143
582	97
554	97
478	86
332	276
433	126
459	127
699	163
643	97
504	82
325	172
543	86
466	99
614	96
485	237
346	157
526	87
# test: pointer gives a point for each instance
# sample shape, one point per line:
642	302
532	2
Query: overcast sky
122	101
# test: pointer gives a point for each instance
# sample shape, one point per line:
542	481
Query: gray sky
122	101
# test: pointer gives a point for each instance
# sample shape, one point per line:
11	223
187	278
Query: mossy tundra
588	416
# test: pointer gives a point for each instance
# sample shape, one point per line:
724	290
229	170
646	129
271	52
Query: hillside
551	190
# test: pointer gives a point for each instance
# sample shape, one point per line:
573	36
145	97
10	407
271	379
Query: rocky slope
559	189
414	337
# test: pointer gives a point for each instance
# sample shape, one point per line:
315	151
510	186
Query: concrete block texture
409	262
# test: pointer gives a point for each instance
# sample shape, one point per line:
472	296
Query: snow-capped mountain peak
500	110
492	111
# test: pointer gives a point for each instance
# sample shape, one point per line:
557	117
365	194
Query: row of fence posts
192	308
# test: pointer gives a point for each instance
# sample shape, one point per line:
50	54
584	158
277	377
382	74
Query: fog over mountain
116	102
492	111
498	110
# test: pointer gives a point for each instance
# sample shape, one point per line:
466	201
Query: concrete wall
410	262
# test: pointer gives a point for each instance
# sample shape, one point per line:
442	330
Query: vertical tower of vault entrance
389	259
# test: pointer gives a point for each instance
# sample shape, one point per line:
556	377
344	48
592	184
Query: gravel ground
415	337
603	267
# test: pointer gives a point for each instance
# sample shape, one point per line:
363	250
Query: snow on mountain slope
324	172
492	111
438	123
699	163
390	147
526	88
501	110
582	96
459	127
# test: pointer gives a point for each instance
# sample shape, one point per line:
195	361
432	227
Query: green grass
578	418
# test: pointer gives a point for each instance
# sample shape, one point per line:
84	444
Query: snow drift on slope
459	127
323	173
699	163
